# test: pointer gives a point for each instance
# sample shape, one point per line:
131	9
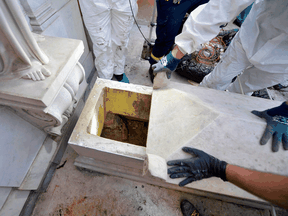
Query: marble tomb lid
217	122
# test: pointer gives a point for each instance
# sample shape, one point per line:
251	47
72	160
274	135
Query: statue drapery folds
20	55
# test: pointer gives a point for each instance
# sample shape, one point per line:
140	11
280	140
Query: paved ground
73	192
80	192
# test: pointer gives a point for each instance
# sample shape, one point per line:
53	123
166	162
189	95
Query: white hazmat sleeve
203	23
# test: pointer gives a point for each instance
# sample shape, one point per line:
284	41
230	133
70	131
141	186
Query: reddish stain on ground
82	206
56	186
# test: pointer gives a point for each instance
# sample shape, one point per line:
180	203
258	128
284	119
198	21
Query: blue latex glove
166	64
200	166
277	126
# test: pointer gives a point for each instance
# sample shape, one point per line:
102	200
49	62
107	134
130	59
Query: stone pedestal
48	104
41	82
29	110
217	122
25	156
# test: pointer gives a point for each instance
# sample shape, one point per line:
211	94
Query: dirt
125	129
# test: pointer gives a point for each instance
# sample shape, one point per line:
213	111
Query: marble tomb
220	123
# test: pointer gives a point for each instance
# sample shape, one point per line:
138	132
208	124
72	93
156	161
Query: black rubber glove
201	165
277	126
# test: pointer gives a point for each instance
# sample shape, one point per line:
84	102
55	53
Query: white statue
20	55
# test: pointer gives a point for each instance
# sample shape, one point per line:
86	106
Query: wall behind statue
41	82
59	18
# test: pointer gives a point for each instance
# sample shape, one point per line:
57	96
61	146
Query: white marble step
17	152
14	203
4	193
39	166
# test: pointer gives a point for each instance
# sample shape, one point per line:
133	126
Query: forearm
271	187
203	25
176	52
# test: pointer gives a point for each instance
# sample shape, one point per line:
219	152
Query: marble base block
219	123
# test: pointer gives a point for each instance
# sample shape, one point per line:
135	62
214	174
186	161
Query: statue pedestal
48	104
26	150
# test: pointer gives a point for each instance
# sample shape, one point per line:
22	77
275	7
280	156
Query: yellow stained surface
120	102
101	119
127	103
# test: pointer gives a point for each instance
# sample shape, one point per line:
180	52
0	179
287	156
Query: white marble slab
4	193
39	166
19	145
14	203
219	123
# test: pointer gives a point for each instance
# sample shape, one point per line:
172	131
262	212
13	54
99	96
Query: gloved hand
166	64
277	126
200	166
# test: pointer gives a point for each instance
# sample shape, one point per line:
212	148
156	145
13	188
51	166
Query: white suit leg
232	63
97	19
122	23
101	38
254	79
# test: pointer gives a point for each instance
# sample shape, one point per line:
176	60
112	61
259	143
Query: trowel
160	80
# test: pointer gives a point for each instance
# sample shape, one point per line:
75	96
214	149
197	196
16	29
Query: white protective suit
260	48
109	23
